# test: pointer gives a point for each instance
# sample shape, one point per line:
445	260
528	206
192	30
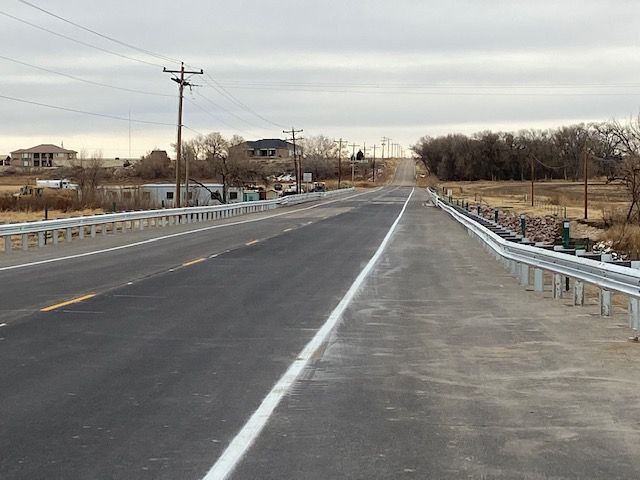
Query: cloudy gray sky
355	69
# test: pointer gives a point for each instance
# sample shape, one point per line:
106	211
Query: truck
62	184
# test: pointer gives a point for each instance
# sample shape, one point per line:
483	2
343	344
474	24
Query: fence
525	259
41	232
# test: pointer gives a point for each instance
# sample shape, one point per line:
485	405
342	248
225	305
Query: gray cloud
357	69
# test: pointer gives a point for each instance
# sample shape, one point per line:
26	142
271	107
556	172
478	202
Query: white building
205	194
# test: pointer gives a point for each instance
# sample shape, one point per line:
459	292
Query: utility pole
374	163
293	132
533	176
353	162
181	84
384	142
586	183
339	162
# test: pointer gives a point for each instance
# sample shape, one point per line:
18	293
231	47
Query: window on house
169	195
251	153
233	195
271	153
25	163
25	155
36	162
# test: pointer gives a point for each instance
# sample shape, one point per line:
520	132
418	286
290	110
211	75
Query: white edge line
173	235
243	440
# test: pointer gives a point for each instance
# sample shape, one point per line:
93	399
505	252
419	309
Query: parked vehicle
62	184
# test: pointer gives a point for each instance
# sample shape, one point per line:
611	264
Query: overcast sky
355	69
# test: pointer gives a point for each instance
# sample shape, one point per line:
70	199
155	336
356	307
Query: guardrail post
538	280
557	285
141	224
25	241
515	268
524	274
7	244
634	317
566	236
68	235
93	231
605	302
41	239
578	293
634	310
54	236
81	232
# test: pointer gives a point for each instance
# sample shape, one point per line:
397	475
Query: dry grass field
550	198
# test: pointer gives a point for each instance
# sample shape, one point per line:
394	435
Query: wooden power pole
296	165
339	162
586	184
181	84
374	163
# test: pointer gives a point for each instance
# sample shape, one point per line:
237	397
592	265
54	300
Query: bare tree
88	171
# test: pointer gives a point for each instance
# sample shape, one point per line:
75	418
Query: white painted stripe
251	430
174	235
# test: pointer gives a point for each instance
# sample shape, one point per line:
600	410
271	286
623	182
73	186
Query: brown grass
551	197
30	216
624	238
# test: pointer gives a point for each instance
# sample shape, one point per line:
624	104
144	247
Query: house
5	160
268	149
45	155
162	194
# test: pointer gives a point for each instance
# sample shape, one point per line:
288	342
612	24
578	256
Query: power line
220	107
102	35
403	85
84	80
442	93
81	42
224	92
219	88
84	112
216	118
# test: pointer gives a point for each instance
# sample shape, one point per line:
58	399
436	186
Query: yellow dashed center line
252	242
193	262
68	302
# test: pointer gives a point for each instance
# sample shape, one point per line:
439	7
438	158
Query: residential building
42	156
267	149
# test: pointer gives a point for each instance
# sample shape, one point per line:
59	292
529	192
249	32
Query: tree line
608	149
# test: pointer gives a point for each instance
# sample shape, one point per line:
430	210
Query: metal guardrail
519	258
157	218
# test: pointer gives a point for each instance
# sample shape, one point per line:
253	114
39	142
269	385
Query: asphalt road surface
439	365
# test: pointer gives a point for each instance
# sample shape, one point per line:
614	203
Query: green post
523	225
478	209
565	234
495	215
